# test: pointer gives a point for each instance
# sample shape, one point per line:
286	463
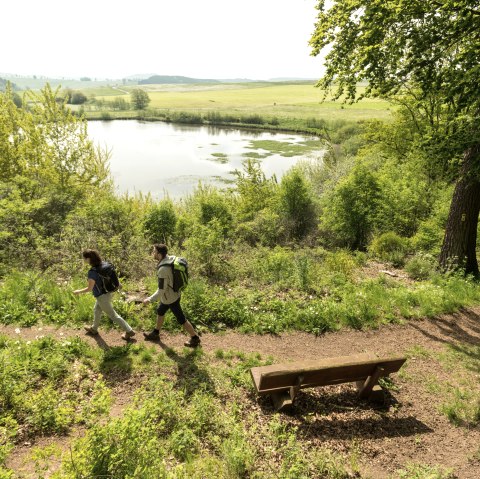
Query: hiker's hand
146	301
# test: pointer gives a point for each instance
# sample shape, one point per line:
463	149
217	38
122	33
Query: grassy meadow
281	100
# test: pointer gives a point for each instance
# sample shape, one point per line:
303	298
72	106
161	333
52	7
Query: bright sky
256	39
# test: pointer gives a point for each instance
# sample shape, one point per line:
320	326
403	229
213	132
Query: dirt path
413	430
463	327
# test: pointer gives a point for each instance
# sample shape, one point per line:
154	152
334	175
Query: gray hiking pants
104	304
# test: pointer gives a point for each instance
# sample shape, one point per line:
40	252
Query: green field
281	100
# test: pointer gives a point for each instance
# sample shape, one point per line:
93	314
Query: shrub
421	266
255	191
160	222
78	98
252	119
205	247
296	207
112	225
390	247
265	229
120	104
350	210
206	204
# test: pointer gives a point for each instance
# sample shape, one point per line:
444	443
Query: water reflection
162	157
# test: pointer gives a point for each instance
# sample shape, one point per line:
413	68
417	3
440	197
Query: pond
162	158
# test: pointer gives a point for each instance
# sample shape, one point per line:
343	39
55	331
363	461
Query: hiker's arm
161	286
91	284
153	297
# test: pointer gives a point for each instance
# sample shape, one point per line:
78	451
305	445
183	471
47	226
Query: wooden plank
263	376
322	372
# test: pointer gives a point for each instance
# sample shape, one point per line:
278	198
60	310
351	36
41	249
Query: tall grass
275	290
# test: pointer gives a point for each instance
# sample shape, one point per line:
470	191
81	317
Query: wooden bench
283	381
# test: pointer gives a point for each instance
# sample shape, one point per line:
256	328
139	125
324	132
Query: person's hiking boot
193	342
128	334
90	330
152	335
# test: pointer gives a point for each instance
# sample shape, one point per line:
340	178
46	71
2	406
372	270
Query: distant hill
292	79
3	85
167	79
139	76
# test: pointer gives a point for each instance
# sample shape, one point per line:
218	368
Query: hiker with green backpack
102	282
172	274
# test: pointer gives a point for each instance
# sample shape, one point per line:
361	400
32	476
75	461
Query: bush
296	207
255	191
265	229
390	247
78	98
120	104
113	226
421	266
350	210
252	120
160	222
205	247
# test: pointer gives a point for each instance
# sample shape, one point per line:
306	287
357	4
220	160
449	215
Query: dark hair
94	257
161	249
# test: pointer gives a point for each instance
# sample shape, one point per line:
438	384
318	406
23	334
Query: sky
257	39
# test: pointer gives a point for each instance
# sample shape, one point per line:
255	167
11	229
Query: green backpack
179	267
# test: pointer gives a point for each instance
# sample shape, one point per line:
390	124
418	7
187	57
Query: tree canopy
431	44
427	50
140	99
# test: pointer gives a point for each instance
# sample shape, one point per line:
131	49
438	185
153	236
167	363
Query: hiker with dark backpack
172	274
102	282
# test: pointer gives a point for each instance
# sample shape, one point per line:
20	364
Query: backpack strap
169	264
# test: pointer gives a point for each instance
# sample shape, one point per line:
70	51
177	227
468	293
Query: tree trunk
459	243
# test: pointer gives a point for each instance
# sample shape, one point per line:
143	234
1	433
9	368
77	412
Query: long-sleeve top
165	291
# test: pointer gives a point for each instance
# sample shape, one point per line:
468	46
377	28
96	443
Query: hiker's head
159	251
92	257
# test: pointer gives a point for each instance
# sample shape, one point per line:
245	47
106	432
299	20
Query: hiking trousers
104	304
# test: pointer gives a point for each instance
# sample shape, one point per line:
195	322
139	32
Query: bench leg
370	387
283	399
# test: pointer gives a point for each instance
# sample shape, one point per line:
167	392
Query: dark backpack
179	267
108	277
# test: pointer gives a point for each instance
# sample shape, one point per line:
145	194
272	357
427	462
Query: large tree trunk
459	243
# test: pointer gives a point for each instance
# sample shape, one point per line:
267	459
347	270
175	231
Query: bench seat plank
322	372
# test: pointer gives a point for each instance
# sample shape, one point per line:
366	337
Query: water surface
162	158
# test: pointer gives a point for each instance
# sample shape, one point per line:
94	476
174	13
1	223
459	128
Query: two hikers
100	277
169	298
101	282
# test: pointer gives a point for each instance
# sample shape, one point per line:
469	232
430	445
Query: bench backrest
322	372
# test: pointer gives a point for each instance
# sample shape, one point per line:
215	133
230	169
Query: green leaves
388	44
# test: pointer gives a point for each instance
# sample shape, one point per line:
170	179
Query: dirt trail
433	334
413	430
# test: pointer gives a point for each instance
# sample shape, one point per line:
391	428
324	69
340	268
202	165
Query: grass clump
425	471
47	386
